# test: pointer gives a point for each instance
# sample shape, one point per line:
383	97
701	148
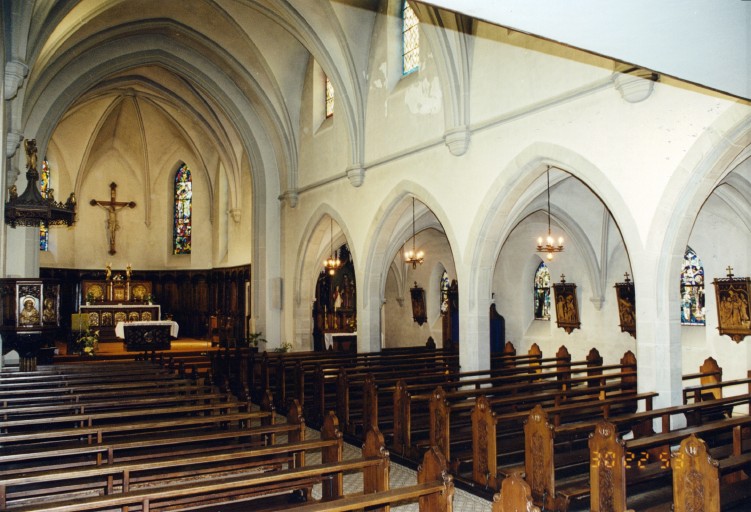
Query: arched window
329	98
542	293
44	188
445	285
692	289
183	207
410	40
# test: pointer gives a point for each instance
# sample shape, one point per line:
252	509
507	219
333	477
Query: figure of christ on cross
112	206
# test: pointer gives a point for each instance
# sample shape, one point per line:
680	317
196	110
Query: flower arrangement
88	342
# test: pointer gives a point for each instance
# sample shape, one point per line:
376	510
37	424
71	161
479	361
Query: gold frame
626	297
733	309
566	306
419	312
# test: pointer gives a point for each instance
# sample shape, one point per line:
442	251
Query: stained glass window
329	98
542	293
183	206
410	40
44	188
445	284
692	289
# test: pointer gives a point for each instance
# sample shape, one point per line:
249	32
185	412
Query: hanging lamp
414	257
550	248
332	263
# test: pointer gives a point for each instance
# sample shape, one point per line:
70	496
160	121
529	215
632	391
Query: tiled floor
400	476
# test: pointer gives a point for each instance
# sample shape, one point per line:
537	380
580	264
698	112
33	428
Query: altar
147	336
104	317
341	341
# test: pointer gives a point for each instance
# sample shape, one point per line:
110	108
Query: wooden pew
406	397
205	490
434	490
709	373
391	391
515	496
568	401
170	460
696	477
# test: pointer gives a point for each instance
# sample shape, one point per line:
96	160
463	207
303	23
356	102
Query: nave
177	430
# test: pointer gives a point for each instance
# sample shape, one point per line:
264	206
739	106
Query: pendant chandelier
550	248
30	208
414	257
333	263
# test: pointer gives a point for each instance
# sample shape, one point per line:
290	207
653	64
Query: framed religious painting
626	305
733	313
29	304
566	306
419	313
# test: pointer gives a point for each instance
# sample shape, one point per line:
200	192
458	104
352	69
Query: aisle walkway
399	476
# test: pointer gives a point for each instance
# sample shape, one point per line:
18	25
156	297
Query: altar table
146	336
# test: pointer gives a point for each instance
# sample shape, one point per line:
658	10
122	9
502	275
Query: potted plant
254	338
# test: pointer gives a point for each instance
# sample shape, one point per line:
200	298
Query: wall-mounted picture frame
626	297
419	313
733	313
566	306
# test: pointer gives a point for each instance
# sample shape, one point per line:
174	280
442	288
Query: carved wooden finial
563	278
730	271
627	277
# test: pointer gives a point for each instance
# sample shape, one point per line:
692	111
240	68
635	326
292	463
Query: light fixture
333	263
30	208
549	246
414	257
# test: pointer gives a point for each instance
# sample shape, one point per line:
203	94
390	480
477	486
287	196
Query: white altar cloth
120	327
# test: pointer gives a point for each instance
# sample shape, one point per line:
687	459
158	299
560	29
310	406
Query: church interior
336	180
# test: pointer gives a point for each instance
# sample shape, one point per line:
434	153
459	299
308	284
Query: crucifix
112	206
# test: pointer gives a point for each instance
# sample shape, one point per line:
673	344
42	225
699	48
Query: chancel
354	214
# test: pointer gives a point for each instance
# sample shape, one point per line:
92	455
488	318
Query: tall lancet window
410	40
542	292
44	188
692	289
183	209
445	285
329	98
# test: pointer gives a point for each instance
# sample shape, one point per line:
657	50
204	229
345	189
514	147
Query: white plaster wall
720	239
399	327
530	101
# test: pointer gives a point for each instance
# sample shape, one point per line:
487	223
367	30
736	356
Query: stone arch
391	227
506	202
313	250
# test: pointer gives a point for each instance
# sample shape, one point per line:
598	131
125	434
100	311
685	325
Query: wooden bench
515	496
209	488
147	446
410	430
434	491
169	465
695	476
